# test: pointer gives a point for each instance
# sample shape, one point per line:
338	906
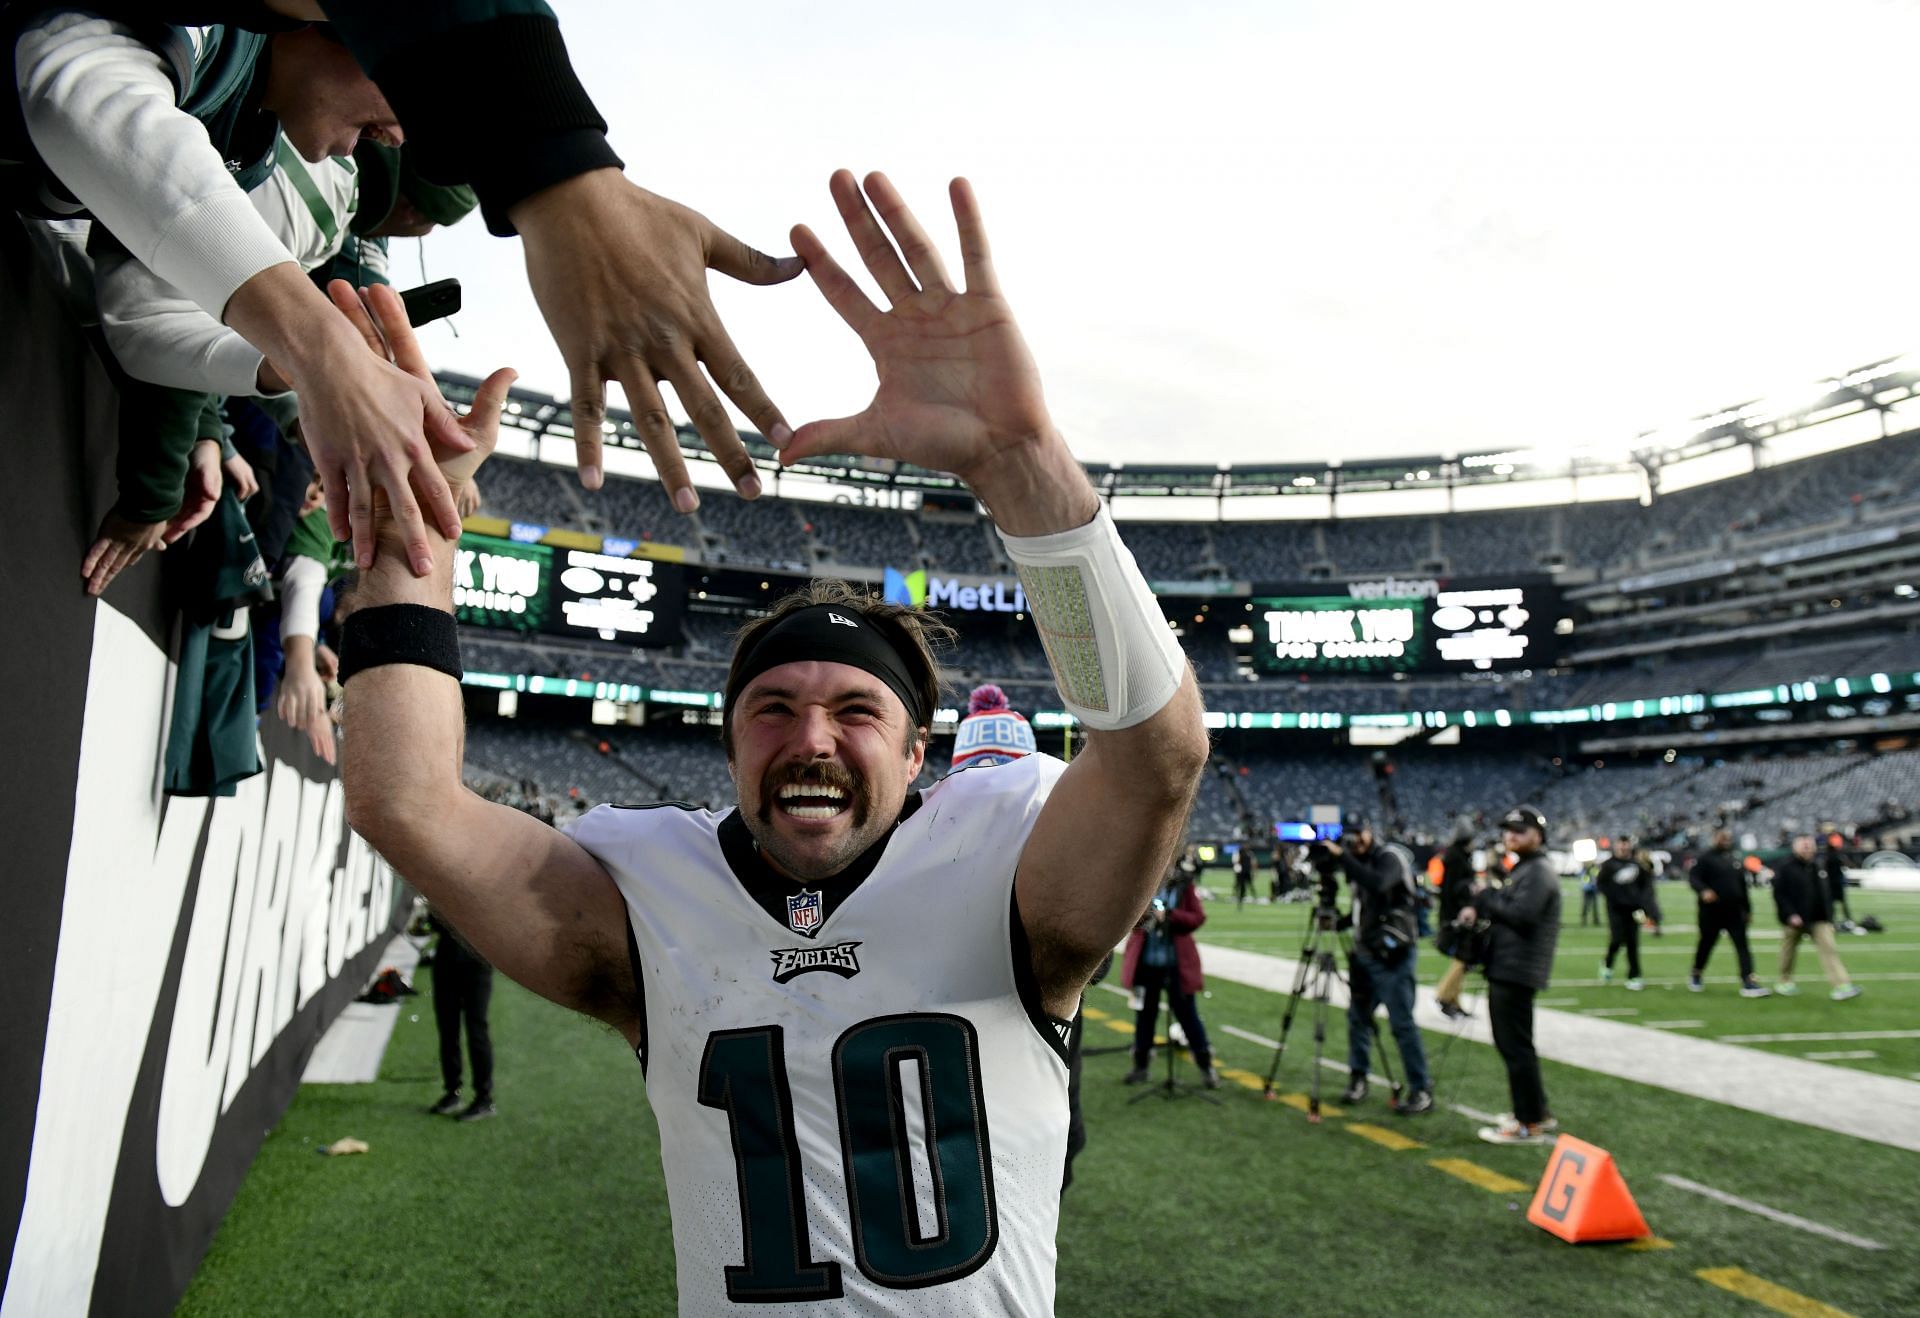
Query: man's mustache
815	773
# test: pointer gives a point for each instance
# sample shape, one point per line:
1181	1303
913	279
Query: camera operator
1385	948
1525	920
1456	890
1161	954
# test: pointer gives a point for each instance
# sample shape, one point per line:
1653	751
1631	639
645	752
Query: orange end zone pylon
1584	1198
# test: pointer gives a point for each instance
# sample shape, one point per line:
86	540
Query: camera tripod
1313	981
1171	1088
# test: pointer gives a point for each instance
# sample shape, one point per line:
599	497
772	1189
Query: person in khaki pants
1804	900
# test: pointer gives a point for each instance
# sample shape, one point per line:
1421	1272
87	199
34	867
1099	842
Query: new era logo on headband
844	622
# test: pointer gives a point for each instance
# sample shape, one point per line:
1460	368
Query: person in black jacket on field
1803	894
1244	864
1456	891
1525	919
1627	886
462	991
1724	908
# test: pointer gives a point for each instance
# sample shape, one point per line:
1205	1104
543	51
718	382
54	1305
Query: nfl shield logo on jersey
803	912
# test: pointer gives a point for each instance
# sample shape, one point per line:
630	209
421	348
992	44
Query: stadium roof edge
1692	453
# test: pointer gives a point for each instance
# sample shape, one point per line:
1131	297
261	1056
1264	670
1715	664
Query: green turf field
1885	965
1177	1208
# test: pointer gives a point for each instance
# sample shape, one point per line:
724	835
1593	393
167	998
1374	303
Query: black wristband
399	634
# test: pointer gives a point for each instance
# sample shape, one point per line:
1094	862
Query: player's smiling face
823	755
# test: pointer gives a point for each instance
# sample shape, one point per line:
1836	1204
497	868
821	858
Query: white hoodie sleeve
101	110
301	582
161	335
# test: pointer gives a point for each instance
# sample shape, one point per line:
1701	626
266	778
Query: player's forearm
1037	488
405	729
1156	765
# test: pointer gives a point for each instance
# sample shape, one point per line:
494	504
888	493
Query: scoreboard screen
1405	626
636	601
501	583
567	592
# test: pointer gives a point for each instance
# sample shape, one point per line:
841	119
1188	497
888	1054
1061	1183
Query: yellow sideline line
1095	1014
1246	1079
1474	1174
1390	1139
1299	1103
1762	1291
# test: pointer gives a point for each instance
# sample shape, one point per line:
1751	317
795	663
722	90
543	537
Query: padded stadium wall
166	964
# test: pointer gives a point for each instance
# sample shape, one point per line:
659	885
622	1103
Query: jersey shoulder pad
1029	778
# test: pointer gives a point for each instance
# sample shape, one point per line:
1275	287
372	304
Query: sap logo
789	962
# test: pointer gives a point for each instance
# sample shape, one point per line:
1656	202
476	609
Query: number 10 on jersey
744	1074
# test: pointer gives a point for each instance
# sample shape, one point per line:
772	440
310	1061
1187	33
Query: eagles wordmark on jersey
868	1115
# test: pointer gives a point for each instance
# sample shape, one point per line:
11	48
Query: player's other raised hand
958	389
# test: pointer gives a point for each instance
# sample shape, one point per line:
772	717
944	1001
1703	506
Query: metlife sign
1422	625
917	590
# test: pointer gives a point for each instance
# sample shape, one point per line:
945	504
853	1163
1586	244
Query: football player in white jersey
848	997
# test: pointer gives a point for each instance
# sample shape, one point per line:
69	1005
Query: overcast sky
1292	230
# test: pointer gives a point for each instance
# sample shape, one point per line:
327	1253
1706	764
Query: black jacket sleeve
535	126
1522	903
1370	873
1786	901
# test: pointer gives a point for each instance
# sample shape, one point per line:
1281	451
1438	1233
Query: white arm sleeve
100	109
300	585
161	335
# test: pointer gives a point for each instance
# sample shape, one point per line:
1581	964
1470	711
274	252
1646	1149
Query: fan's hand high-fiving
958	390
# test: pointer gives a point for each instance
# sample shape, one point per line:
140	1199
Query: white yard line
1250	1036
1831	1036
1881	1108
1714	982
1773	1214
1674	1025
1610	1011
1556	1002
1857	1055
1475	1114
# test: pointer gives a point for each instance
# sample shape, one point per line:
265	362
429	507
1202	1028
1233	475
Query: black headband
835	634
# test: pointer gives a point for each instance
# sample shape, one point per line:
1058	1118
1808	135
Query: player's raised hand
958	389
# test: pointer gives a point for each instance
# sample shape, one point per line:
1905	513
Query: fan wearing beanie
991	732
